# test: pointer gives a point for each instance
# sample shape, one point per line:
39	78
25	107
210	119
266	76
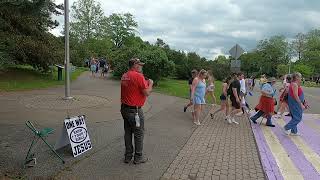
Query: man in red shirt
134	91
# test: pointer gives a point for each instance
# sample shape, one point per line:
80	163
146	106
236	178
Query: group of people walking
291	98
96	65
135	88
198	89
201	84
233	98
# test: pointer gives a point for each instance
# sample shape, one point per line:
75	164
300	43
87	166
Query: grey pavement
167	131
218	150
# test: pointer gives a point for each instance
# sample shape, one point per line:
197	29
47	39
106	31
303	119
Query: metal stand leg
29	156
53	150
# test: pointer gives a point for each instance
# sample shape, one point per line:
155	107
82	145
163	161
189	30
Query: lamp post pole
66	46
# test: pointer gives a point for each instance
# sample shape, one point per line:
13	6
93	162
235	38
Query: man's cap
271	79
134	61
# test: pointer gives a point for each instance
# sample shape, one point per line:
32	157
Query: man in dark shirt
234	91
194	73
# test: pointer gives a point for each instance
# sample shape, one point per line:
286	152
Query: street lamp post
289	66
66	46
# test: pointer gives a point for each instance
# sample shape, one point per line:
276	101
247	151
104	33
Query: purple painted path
310	135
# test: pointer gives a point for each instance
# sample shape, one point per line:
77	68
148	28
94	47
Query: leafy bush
311	84
157	63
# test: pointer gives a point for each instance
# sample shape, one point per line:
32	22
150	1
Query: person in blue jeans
266	103
296	103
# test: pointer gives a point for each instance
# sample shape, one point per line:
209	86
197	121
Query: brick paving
218	150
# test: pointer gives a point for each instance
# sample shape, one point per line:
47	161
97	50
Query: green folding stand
42	134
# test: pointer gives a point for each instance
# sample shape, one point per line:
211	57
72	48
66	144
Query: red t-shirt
132	85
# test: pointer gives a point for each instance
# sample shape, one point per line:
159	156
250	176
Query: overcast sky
212	27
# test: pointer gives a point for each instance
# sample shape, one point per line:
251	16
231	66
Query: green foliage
157	64
87	20
25	77
90	48
121	58
24	33
282	69
119	27
311	84
273	51
180	88
305	70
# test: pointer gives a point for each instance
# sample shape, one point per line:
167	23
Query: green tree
282	69
24	33
305	70
87	20
311	55
120	27
222	60
157	64
273	51
251	63
299	45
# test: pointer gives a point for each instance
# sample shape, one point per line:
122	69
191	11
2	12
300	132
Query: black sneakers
127	160
185	108
140	160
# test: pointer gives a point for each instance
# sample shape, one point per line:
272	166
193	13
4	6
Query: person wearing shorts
210	87
198	92
93	66
234	89
223	99
194	74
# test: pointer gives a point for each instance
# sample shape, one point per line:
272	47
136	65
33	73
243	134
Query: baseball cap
134	61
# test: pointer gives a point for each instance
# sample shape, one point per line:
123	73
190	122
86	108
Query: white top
243	85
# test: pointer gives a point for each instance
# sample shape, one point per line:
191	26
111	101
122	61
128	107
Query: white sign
236	51
76	132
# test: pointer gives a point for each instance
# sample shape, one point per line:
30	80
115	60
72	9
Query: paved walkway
218	150
290	157
167	130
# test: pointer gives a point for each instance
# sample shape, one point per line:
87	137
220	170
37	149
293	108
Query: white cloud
212	27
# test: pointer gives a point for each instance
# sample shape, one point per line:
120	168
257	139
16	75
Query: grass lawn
180	88
26	78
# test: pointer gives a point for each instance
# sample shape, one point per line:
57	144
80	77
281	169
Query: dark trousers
130	128
259	114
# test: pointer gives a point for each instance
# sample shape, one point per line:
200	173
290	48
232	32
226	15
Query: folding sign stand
42	134
75	133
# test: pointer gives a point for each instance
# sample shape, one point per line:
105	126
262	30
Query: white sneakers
288	132
234	121
197	123
231	120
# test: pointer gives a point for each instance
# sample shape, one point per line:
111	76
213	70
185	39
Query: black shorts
234	102
223	97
